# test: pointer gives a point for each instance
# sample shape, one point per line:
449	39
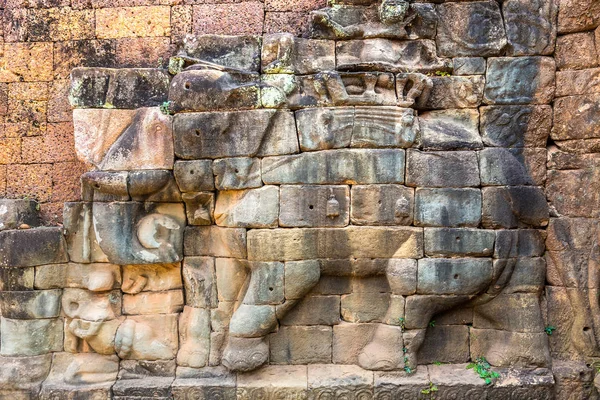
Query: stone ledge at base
315	381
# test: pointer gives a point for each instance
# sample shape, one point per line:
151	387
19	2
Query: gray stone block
530	29
520	80
453	92
470	29
450	130
519	243
31	304
250	208
445	344
282	53
314	206
30	337
449	276
448	207
199	280
365	307
250	133
240	52
468	65
23	373
527	349
215	241
442	169
301	345
382	205
349	339
459	241
16	278
501	166
336	167
237	173
194	176
343	380
517	312
313	310
16	212
529	275
31	247
512	207
516	126
266	283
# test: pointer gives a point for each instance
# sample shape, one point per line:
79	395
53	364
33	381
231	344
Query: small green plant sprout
549	329
408	370
402	322
483	368
430	390
404	350
432	323
442	73
165	108
437	363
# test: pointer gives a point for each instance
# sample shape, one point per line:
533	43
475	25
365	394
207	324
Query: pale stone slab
448	207
266	283
300	277
365	307
453	276
156	278
517	312
389	55
312	310
194	337
91	306
251	208
314	243
502	348
400	385
349	339
252	321
314	206
459	241
278	381
199	279
30	337
282	53
167	302
382	205
237	173
343	379
336	167
215	241
301	345
251	133
325	128
450	130
445	169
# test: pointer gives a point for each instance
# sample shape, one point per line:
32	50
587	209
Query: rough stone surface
30	337
515	126
283	53
450	130
382	205
301	345
237	173
251	208
461	241
241	52
25	248
512	207
453	92
314	206
530	27
448	207
499	166
442	169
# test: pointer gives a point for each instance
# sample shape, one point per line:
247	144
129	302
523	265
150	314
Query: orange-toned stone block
30	111
228	19
133	22
578	15
59	109
52	213
60	24
82	53
294	5
65	178
15	24
33	150
32	180
19	129
10	150
55	146
153	52
28	90
2	180
181	22
3	98
26	62
286	21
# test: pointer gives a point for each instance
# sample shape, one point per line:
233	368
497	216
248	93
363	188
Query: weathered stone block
96	277
22	373
231	275
153	302
116	22
155	278
14	213
521	243
501	166
336	167
140	369
442	169
301	345
118	88
577	82
512	207
266	283
530	28
313	310
343	380
446	344
252	321
468	65
16	278
382	205
194	337
194	176
517	349
251	208
573	193
240	52
215	241
516	126
313	206
153	387
450	130
148	337
365	307
459	241
576	117
199	282
291	91
358	242
212	89
452	380
389	55
448	207
325	128
576	51
453	92
349	339
237	173
282	53
91	306
31	247
300	278
447	276
30	337
519	312
204	388
573	379
519	80
399	384
31	304
248	133
199	207
273	382
470	29
89	374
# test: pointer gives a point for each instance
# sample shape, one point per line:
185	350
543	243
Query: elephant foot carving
245	354
384	352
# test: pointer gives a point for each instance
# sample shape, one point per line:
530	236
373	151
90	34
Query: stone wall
406	186
42	41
